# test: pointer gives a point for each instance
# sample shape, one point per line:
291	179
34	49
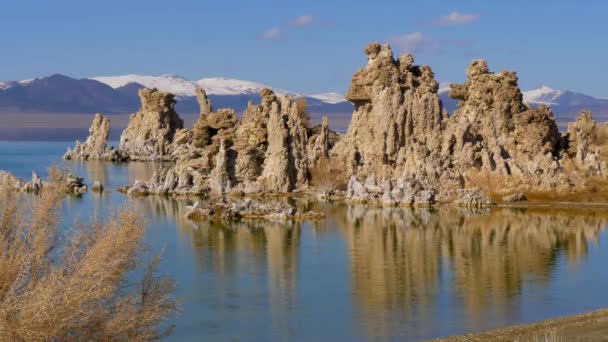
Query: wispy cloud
415	42
277	31
302	20
272	33
457	18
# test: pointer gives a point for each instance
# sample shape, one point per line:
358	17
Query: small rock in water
518	197
97	187
474	198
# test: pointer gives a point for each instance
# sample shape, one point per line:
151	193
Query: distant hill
55	101
118	94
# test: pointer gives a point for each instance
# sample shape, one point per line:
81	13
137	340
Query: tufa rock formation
152	129
71	184
401	148
14	183
400	135
95	147
226	210
267	151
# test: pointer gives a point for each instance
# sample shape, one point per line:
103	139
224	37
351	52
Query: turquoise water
361	274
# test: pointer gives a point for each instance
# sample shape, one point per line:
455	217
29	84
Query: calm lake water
361	274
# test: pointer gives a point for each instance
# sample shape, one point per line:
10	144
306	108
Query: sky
311	46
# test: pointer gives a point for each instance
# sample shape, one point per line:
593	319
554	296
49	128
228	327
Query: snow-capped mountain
230	86
118	94
183	87
6	85
169	83
543	95
212	85
333	98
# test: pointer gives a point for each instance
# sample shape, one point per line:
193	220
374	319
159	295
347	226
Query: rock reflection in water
397	257
404	263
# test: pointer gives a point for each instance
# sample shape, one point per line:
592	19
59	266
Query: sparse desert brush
54	288
495	185
328	175
302	106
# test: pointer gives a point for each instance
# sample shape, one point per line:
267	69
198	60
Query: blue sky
305	46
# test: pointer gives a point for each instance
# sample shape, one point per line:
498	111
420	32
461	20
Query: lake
360	274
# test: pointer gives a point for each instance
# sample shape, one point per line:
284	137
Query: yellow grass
53	288
589	190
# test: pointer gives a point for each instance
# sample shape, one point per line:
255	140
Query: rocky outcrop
285	165
493	131
71	184
320	143
74	185
264	152
226	210
401	147
586	140
95	147
400	134
14	183
398	119
151	130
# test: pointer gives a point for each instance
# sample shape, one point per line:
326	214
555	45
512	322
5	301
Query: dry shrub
302	106
601	134
328	175
76	288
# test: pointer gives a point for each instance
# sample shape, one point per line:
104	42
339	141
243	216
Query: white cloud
284	28
302	20
457	18
414	42
272	33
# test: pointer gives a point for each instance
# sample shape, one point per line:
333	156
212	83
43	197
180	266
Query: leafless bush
76	288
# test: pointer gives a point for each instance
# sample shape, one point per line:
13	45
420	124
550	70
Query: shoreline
587	326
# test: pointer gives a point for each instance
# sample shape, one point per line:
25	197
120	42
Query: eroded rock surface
71	184
152	129
264	152
15	183
227	210
95	147
401	147
399	133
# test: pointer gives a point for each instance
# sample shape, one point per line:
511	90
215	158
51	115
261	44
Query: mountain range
58	99
118	94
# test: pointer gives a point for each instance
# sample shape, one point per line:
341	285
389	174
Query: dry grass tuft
77	289
328	175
